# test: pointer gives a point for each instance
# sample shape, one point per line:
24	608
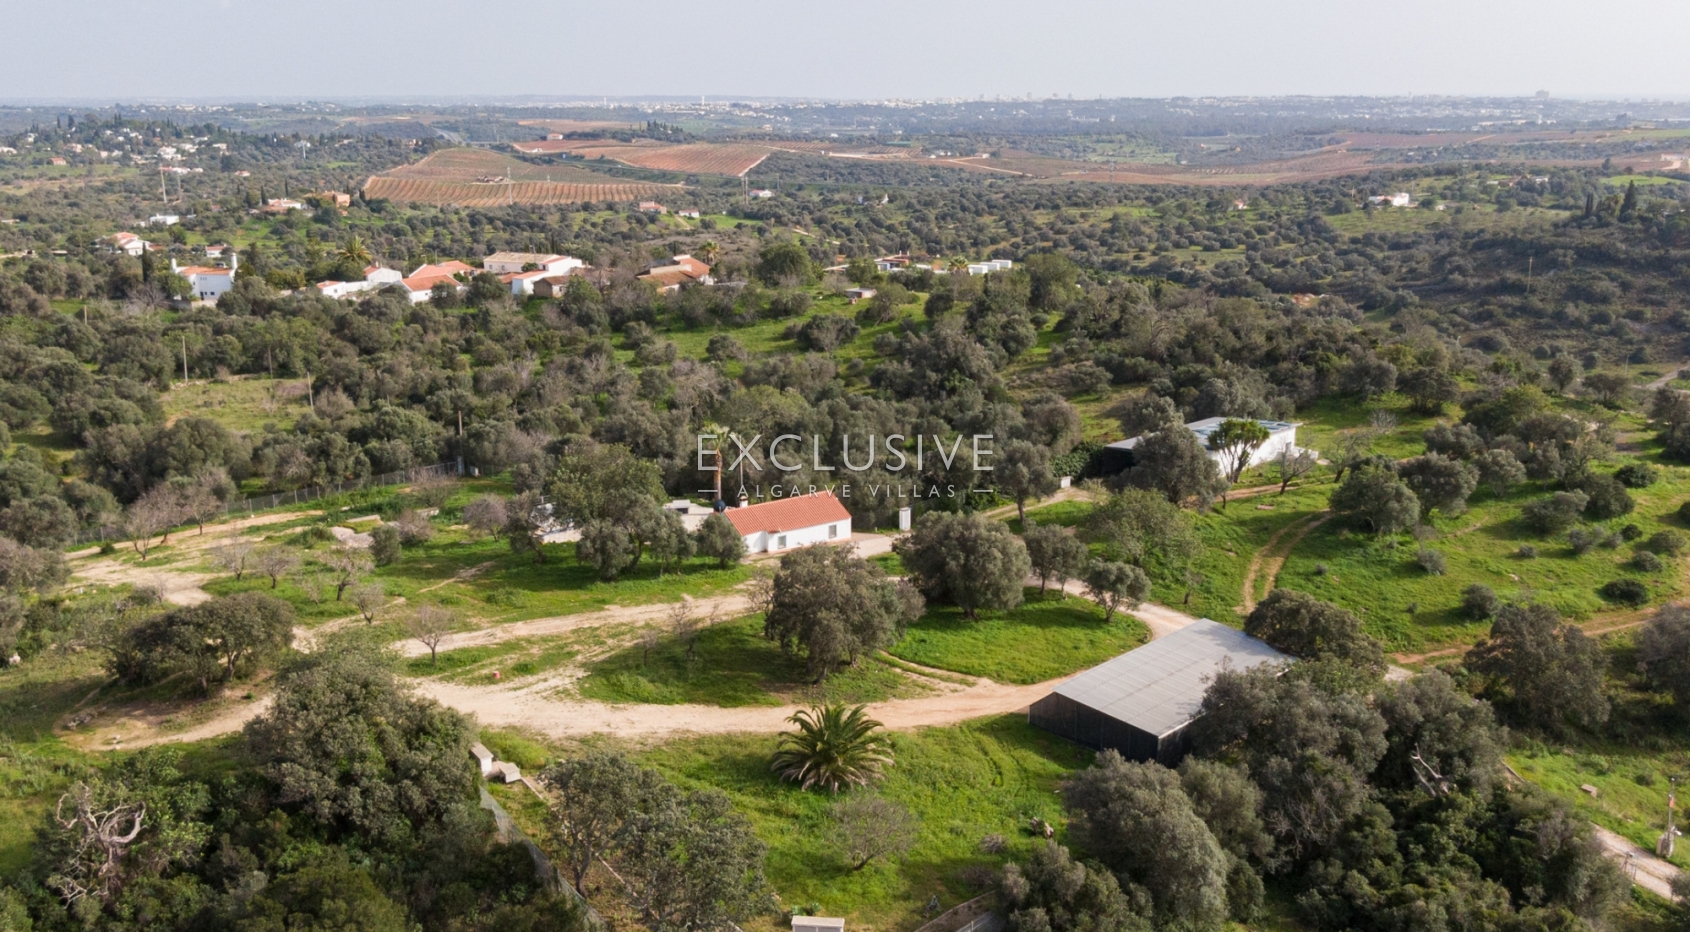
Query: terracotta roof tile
788	514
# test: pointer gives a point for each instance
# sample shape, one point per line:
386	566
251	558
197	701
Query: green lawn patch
1045	637
733	665
985	777
1409	608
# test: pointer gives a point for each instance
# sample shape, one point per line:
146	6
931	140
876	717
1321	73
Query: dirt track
180	587
1271	558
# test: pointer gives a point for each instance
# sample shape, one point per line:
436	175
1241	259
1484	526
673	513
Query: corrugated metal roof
1159	687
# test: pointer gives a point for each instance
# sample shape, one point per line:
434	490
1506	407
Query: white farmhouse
502	263
208	282
1282	435
127	243
786	523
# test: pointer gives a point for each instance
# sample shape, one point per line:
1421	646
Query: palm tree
707	253
958	264
354	250
833	747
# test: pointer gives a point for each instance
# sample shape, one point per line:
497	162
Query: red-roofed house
127	243
681	270
443	268
208	282
421	287
785	523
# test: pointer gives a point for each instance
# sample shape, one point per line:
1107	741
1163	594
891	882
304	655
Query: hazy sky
248	50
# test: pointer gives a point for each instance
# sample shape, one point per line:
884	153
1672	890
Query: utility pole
184	357
1529	261
310	393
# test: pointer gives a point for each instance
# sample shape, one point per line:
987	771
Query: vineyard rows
470	194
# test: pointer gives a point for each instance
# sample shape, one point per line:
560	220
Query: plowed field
705	158
478	178
473	194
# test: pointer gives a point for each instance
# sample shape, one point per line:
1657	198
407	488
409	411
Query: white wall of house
345	289
1269	451
211	287
781	541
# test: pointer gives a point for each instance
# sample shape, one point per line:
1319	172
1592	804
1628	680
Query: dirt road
1647	871
724	607
530	708
1666	380
1271	558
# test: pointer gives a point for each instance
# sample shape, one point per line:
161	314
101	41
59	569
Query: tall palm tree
833	747
354	250
958	264
707	253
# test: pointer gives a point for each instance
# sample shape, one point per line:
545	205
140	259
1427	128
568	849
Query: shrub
384	545
1630	533
1668	543
1432	561
413	527
1684	512
1479	602
1580	540
1555	513
1608	498
1626	592
1526	552
1636	475
1646	562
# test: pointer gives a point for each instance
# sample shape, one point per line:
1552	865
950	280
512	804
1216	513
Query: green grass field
734	665
962	783
239	404
1048	636
482	580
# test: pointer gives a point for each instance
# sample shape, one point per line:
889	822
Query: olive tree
836	607
969	560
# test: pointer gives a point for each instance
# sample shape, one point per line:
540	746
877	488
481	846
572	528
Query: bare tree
761	590
432	490
486	514
347	564
873	827
430	624
413	526
275	562
199	500
683	624
315	582
650	638
153	512
1293	463
232	555
369	597
100	836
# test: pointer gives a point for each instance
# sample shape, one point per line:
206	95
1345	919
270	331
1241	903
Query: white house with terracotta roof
127	243
208	282
786	523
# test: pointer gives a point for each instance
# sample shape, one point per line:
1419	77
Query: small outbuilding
483	758
1141	703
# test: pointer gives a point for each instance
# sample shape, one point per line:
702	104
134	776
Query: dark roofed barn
1141	702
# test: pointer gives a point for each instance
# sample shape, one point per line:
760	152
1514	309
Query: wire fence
250	506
